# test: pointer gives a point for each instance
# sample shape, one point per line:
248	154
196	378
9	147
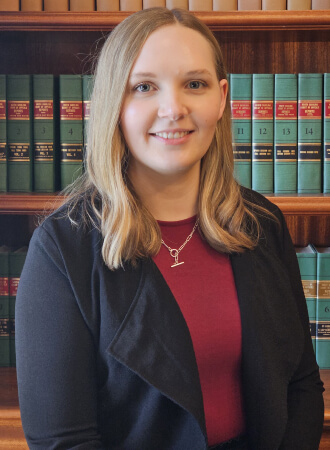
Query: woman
161	307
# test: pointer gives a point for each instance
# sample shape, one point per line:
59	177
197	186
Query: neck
168	198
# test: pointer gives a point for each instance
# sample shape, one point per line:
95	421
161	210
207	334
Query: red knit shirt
205	290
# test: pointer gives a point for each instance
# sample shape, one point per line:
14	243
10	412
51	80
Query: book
87	86
19	133
153	3
285	134
298	5
82	5
4	307
56	5
240	86
16	263
9	5
323	308
310	96
171	4
225	5
321	4
107	5
3	134
263	133
45	133
31	5
246	5
273	5
130	5
71	128
200	5
307	261
326	135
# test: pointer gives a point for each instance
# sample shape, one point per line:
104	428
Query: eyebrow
189	74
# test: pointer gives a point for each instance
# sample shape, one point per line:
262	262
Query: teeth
170	135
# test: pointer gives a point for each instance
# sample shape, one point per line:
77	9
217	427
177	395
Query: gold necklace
174	252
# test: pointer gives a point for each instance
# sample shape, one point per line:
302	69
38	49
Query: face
172	104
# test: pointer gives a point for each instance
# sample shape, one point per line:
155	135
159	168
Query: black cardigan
105	359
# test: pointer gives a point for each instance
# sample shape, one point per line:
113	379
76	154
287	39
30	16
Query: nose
172	106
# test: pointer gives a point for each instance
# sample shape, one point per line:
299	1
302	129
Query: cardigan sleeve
305	400
56	355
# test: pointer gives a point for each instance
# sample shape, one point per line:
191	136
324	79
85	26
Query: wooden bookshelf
66	43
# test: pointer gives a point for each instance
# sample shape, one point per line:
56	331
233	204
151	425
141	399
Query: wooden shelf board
226	20
10	203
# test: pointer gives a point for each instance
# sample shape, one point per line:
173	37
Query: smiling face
172	104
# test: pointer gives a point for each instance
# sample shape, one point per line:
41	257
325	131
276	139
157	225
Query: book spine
200	5
19	133
321	4
56	5
285	134
241	110
107	5
272	5
298	5
308	270
82	5
9	5
4	310
44	133
71	128
16	263
153	3
326	135
31	5
323	309
87	86
263	133
309	132
3	134
225	5
171	4
130	5
248	5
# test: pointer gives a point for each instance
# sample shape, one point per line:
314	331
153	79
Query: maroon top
205	290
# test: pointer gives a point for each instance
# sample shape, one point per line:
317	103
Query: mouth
172	134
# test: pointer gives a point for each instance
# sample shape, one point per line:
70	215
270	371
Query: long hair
129	231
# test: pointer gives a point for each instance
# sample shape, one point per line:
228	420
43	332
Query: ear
223	90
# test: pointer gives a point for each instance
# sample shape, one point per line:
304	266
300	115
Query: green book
323	308
71	128
3	134
241	111
307	261
326	135
4	307
44	130
309	132
19	133
16	263
87	86
285	134
263	133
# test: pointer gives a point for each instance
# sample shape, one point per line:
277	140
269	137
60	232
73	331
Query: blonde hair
129	231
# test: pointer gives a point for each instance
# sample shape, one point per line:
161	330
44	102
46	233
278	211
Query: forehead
175	45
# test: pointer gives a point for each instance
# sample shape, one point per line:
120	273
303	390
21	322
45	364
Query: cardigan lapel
154	342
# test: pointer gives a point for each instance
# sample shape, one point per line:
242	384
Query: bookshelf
252	42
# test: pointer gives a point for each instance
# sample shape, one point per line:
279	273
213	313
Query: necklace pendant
177	264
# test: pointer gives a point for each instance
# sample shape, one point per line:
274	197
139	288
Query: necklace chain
174	252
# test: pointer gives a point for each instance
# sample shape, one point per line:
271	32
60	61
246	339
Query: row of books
11	265
281	132
314	264
136	5
42	123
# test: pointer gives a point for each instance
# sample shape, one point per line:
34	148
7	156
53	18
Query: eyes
148	87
